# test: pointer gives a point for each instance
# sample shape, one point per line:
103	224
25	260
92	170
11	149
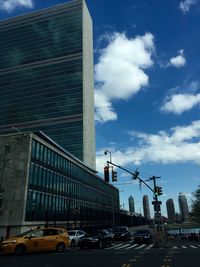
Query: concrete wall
89	150
13	170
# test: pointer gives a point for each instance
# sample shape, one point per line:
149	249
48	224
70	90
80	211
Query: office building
131	204
170	210
146	207
42	184
183	207
46	77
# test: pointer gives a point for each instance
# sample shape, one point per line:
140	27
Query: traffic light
159	191
106	174
135	175
114	176
156	190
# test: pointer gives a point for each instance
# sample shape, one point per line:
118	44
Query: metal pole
157	205
110	162
106	152
113	214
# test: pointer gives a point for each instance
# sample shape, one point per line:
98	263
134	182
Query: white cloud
179	103
178	61
119	74
180	145
186	4
10	5
104	110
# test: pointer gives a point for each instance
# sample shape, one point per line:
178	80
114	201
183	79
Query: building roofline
30	16
42	135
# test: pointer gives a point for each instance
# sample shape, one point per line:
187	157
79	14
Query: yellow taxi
38	240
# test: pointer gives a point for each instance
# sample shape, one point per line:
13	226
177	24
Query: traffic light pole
133	174
155	203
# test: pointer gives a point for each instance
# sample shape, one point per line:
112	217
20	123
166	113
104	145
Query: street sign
156	202
156	207
157	216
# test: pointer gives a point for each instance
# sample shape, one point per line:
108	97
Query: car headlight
8	242
123	234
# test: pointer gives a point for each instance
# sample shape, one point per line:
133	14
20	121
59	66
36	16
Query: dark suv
99	238
143	236
122	233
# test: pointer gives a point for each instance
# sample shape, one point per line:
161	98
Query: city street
122	254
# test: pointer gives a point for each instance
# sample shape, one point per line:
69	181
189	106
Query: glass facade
41	75
59	189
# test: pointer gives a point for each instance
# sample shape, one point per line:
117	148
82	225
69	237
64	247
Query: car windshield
97	232
71	233
25	233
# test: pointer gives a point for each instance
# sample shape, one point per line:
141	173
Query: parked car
38	240
110	230
143	236
74	236
99	238
122	233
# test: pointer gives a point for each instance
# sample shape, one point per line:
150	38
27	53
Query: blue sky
147	90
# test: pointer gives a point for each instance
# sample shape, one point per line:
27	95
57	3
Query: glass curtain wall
60	190
41	75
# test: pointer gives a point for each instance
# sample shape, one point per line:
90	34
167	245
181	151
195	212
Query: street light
112	201
16	129
106	152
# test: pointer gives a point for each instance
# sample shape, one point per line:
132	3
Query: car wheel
60	247
100	244
73	243
20	250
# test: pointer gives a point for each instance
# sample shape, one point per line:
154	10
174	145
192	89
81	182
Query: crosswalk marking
135	245
115	246
141	246
123	246
129	246
150	246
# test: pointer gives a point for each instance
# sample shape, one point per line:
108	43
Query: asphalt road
122	254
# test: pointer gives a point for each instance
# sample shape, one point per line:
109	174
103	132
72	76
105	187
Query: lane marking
192	246
183	246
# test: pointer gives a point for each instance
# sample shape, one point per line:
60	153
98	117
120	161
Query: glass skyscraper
183	206
131	204
170	210
46	76
146	207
